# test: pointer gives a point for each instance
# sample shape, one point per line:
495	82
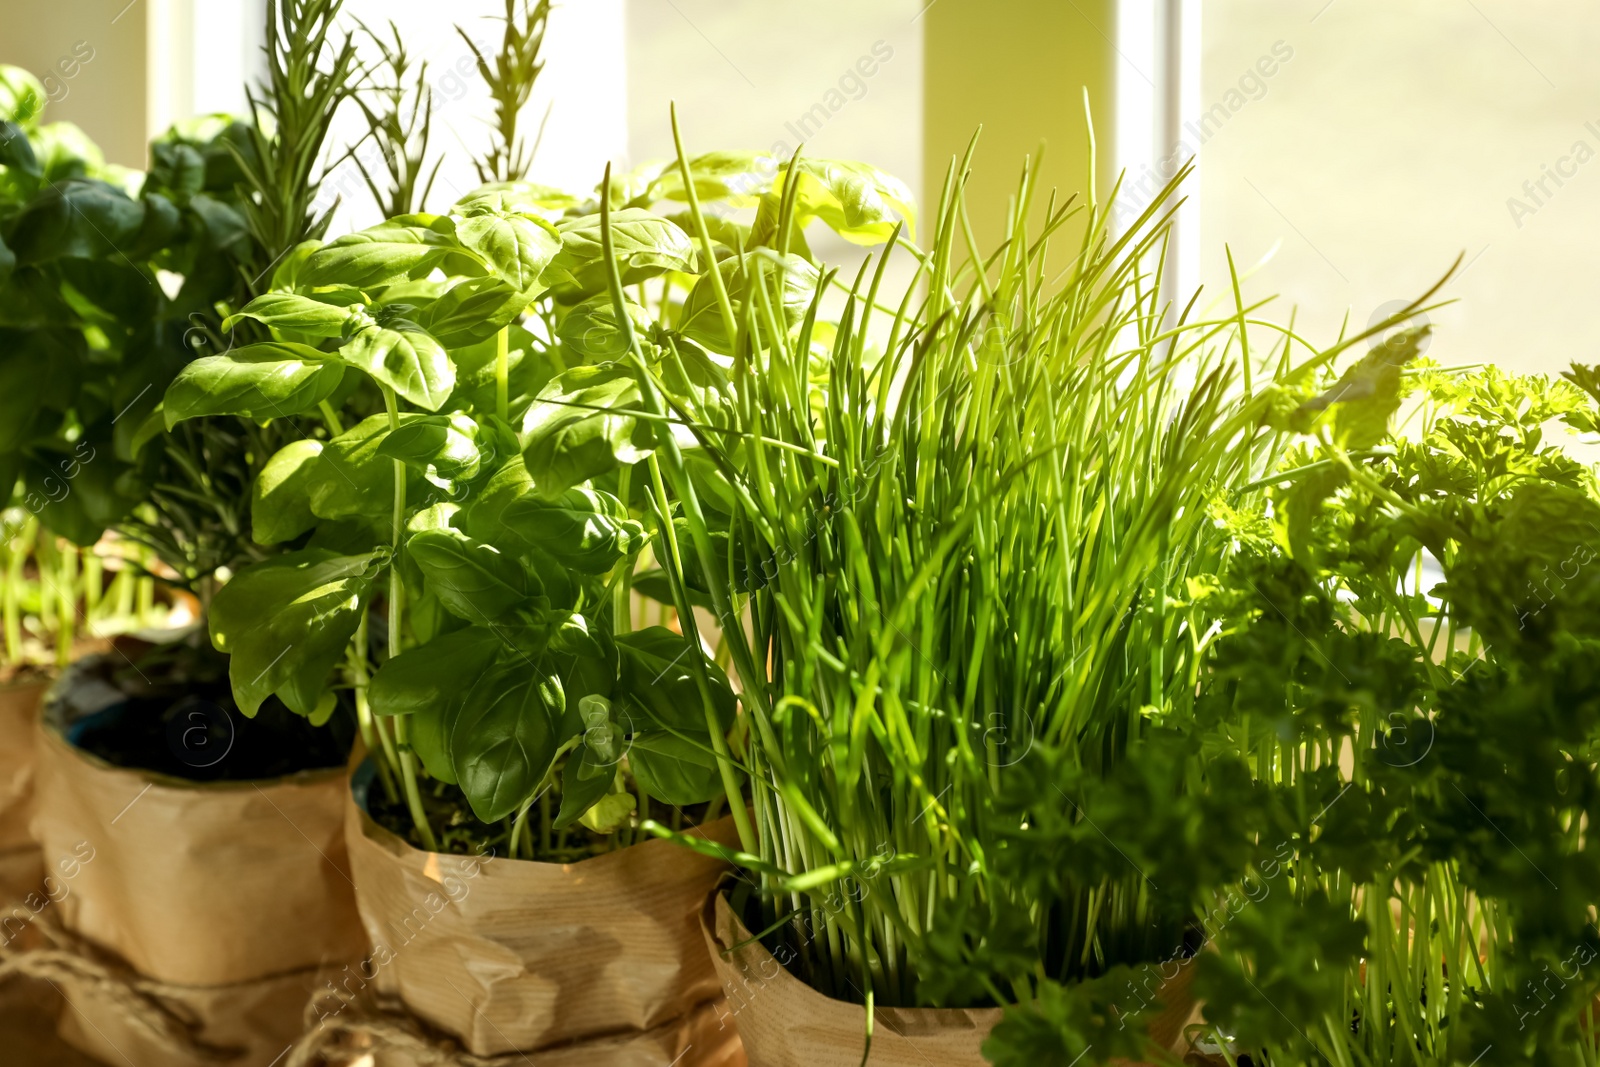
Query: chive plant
950	558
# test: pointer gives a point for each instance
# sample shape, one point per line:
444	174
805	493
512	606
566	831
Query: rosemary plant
510	78
400	124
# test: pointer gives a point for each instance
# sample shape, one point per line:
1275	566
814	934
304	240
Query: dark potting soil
461	834
179	719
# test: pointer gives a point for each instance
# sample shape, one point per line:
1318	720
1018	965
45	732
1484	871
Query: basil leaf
353	481
591	333
286	622
859	202
584	780
473	579
472	311
75	218
399	248
16	152
39	370
737	177
582	425
506	736
645	245
406	359
444	447
674	769
701	317
280	501
585	529
516	247
300	314
657	673
21	95
436	675
274	379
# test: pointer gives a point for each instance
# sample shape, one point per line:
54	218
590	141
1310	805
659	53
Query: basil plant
506	503
521	669
89	332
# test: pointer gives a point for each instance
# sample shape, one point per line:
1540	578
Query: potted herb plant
236	828
1406	656
951	569
508	661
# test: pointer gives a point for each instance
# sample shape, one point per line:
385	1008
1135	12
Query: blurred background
1347	151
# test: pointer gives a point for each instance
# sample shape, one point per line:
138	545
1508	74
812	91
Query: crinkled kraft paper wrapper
785	1023
259	1019
517	956
19	703
228	884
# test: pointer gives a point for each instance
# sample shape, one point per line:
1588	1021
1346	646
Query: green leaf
177	170
1365	396
737	177
701	317
591	769
403	247
66	153
506	737
271	380
516	247
430	739
858	202
516	197
224	224
657	673
484	516
586	529
15	151
473	311
280	501
645	244
8	262
76	218
286	622
436	675
473	579
674	769
406	359
299	314
591	333
582	425
80	494
22	96
353	481
610	813
444	447
40	375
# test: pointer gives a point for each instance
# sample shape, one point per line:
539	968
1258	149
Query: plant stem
19	548
622	605
66	589
691	633
502	374
397	592
378	741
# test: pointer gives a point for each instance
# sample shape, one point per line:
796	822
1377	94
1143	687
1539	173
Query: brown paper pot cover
511	955
250	1024
785	1023
197	884
19	702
